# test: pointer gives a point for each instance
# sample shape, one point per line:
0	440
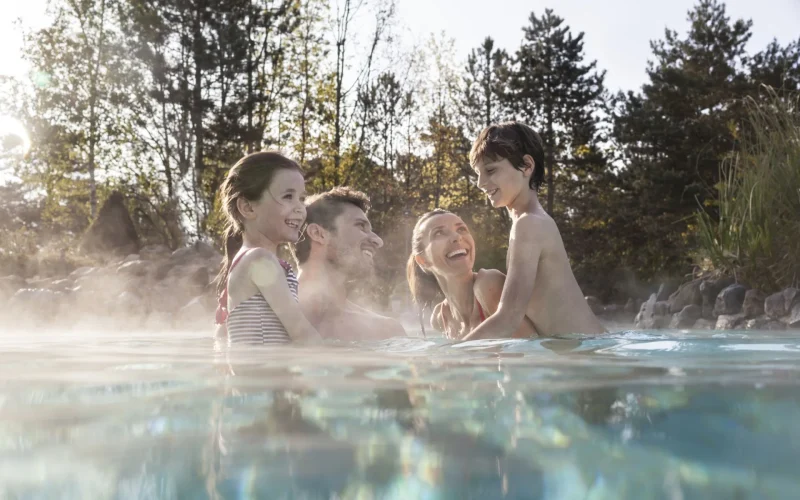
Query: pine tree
675	132
552	89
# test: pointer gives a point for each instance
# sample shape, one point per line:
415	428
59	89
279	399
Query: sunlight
14	140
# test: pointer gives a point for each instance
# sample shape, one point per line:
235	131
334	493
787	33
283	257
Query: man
335	252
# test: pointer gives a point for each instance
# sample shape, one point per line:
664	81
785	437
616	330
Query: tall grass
755	236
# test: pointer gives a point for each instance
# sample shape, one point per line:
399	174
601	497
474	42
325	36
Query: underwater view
667	414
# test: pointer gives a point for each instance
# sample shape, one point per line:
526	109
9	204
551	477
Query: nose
300	208
456	237
481	179
375	240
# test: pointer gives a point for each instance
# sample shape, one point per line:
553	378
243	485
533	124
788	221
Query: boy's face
501	182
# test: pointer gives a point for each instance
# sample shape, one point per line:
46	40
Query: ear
528	164
420	260
244	207
317	233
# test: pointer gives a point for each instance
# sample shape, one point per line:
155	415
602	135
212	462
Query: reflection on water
633	415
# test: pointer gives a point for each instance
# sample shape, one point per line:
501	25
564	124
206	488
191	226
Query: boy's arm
524	250
269	277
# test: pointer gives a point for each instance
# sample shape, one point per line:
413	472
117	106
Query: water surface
634	415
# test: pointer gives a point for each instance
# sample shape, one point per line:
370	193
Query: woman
440	276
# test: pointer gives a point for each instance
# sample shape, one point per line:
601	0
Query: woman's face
448	247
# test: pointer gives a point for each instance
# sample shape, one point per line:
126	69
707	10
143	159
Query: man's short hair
323	209
511	141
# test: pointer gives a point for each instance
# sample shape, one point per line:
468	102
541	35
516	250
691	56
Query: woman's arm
268	276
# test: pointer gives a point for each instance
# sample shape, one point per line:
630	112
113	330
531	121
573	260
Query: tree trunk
93	77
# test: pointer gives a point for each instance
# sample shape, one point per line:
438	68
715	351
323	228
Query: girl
440	269
263	200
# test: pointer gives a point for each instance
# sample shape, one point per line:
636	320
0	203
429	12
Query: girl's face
448	246
280	213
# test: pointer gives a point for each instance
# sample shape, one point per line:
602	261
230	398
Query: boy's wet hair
512	141
323	209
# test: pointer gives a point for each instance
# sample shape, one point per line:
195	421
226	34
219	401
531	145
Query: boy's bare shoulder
532	226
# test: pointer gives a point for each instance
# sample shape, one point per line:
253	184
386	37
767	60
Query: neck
526	202
254	239
323	289
459	293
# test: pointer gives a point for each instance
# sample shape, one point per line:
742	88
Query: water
634	415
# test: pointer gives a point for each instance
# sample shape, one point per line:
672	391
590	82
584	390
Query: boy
509	161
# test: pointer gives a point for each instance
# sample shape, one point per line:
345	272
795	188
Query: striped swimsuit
254	322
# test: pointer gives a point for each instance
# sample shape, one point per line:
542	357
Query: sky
617	32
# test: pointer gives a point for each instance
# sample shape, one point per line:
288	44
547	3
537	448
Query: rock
37	304
665	290
730	300
61	285
647	318
113	230
794	316
130	304
756	323
154	252
687	317
135	268
791	297
81	271
775	306
11	285
205	250
199	277
753	304
687	294
594	304
710	289
729	321
704	324
661	308
130	258
763	323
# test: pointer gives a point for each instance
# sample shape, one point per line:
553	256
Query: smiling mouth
293	224
456	254
492	192
368	252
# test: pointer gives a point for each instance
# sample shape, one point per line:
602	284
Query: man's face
352	243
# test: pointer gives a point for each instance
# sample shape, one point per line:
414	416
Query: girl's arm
268	276
524	251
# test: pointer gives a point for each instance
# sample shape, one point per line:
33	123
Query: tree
675	132
552	89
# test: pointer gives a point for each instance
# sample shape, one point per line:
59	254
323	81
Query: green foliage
753	232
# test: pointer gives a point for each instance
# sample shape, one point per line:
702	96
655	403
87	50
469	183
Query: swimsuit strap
222	306
480	310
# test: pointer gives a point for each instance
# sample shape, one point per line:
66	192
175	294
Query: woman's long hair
425	290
